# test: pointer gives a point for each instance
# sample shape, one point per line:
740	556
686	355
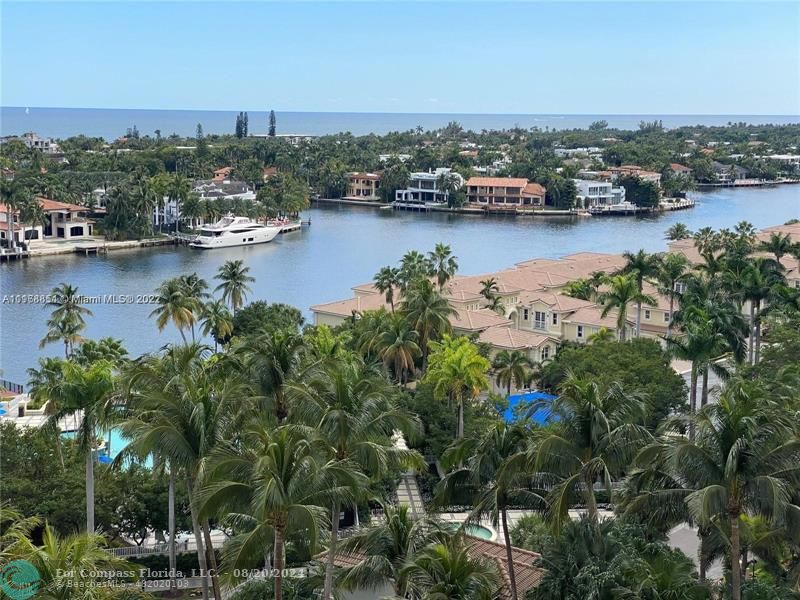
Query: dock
10	254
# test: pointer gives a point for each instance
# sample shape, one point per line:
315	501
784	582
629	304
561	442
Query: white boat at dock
235	231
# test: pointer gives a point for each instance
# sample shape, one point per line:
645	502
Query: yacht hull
229	240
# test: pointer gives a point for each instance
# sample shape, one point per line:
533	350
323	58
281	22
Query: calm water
112	123
343	247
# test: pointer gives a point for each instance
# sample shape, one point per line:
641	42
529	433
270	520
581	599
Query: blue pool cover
520	400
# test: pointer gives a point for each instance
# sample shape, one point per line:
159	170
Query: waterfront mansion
534	313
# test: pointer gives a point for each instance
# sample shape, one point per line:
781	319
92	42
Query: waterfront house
222	174
634	171
63	220
728	174
363	186
423	188
33	141
504	192
678	169
594	194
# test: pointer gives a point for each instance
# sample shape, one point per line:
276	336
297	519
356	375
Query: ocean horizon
111	123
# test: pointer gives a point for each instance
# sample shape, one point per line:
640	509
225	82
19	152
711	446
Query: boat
234	231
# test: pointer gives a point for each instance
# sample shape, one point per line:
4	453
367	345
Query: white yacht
234	231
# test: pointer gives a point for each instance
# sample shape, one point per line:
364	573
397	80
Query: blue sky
482	57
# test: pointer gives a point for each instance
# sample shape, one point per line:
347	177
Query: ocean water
112	123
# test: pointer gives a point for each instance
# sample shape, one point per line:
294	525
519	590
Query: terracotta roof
358	175
534	189
53	205
559	302
477	320
507	337
592	315
345	308
527	574
679	168
519	182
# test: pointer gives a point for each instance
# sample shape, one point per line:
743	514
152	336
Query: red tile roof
534	189
514	182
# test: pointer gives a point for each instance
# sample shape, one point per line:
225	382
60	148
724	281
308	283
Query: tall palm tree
446	570
178	190
642	267
599	430
356	415
671	270
269	486
387	547
269	362
31	212
744	460
457	373
62	330
86	391
512	368
623	290
14	196
756	286
174	305
489	288
398	347
778	244
194	289
235	279
413	267
216	321
180	407
386	280
443	265
494	469
428	312
66	304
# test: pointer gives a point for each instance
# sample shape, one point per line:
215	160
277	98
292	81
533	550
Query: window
680	287
524	314
579	331
666	317
555	319
545	352
646	314
540	319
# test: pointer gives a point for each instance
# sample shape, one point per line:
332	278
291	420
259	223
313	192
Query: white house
598	193
423	188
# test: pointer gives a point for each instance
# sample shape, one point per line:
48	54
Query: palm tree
398	347
744	460
598	431
387	547
671	270
457	373
579	288
180	407
428	312
234	277
269	362
194	290
44	388
446	570
512	368
354	413
386	280
216	321
174	305
59	330
32	212
14	195
757	285
489	288
641	266
413	267
69	567
178	190
443	264
678	231
86	391
66	303
496	472
268	487
779	244
623	290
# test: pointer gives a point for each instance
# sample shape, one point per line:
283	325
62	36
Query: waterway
343	247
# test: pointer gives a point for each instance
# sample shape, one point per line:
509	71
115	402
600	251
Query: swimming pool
114	443
478	531
520	400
